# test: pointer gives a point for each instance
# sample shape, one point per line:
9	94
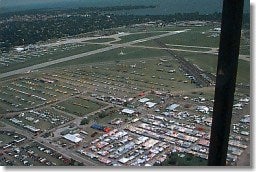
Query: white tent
128	111
73	138
150	104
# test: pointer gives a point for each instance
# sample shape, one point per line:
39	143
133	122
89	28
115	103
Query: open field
200	36
25	93
48	55
115	55
101	40
79	106
150	29
136	36
140	75
191	48
209	63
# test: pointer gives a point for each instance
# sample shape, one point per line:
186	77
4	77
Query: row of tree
18	33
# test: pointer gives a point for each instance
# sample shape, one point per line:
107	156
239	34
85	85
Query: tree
84	121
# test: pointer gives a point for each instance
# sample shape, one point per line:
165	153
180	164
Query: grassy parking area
44	119
79	106
115	55
51	55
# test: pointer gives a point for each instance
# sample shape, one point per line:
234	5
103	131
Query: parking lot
39	121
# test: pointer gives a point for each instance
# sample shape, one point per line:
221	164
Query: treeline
53	11
175	159
16	33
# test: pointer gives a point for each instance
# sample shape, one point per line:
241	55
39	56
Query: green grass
5	139
187	160
135	36
209	63
143	76
189	48
114	55
48	57
79	106
109	116
194	37
154	29
39	87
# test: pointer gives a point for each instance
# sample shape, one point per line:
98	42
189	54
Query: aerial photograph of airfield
136	95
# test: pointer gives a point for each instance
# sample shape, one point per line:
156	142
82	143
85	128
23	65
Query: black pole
225	82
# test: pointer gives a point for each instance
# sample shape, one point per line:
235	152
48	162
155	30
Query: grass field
114	55
193	37
79	106
209	63
148	74
188	48
5	139
20	91
150	29
135	36
59	53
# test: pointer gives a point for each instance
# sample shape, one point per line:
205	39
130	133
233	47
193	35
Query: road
101	50
65	152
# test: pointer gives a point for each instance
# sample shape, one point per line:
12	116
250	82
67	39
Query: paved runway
42	65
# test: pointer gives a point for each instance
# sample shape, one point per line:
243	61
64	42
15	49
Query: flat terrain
103	81
49	55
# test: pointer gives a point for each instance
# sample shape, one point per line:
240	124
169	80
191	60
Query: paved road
242	57
42	65
65	152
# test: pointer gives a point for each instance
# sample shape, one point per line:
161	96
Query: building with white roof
128	111
75	138
150	104
144	100
172	107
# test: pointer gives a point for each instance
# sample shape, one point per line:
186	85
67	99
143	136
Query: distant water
163	6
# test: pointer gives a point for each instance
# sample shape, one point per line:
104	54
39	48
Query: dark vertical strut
225	82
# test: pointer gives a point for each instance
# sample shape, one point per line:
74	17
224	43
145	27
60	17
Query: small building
144	100
128	111
150	104
172	107
75	138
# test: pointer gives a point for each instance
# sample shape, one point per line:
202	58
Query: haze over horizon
163	6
